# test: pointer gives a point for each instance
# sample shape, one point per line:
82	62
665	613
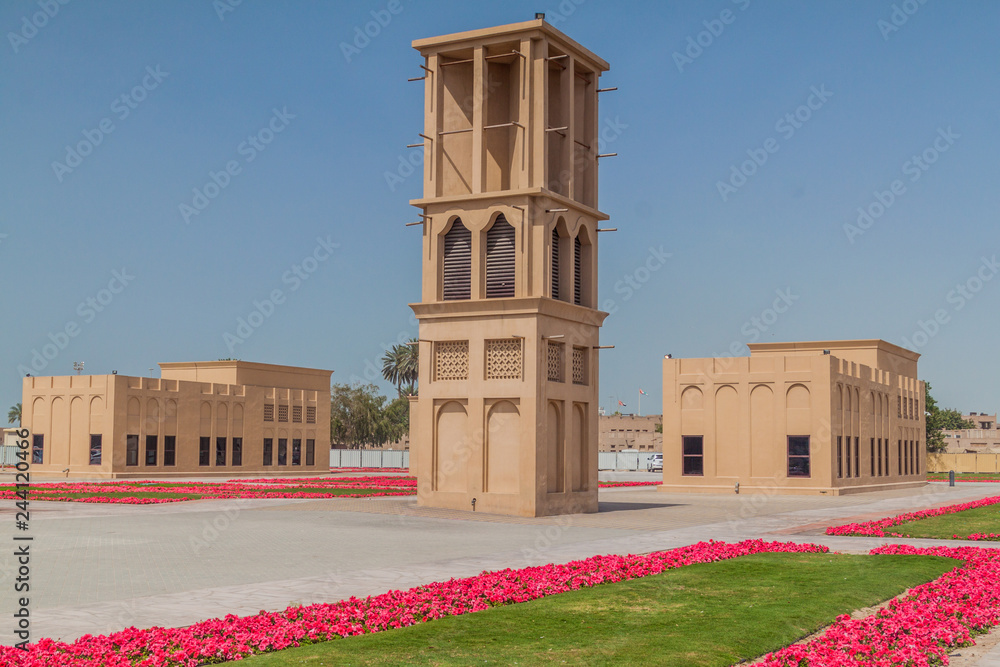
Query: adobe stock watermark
786	126
223	7
31	24
122	107
87	310
631	283
293	278
364	34
957	298
696	44
248	149
914	168
563	11
898	17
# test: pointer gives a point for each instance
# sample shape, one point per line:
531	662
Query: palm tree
400	366
14	414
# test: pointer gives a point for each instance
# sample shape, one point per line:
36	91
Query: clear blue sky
884	85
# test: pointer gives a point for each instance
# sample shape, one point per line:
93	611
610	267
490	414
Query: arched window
500	259
555	263
577	272
457	262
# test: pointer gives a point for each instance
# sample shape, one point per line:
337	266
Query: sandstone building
829	417
217	418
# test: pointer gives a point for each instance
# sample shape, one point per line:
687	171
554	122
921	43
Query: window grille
297	414
269	412
451	360
555	362
282	413
579	366
503	359
311	414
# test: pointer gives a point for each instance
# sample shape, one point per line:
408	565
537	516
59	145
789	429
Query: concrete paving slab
101	568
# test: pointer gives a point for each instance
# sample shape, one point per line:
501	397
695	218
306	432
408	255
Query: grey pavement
100	568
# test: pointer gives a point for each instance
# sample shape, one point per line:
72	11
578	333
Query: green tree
940	419
14	414
400	367
360	416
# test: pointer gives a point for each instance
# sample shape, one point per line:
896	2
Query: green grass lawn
706	614
978	520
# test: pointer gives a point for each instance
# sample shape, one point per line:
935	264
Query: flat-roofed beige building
217	418
831	417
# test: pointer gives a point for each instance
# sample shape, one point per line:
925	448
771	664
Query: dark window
916	456
577	272
268	444
885	454
169	450
899	457
872	457
694	455
500	259
296	452
857	456
131	450
555	263
457	264
310	452
96	444
282	451
37	448
798	456
237	451
204	451
880	457
840	456
220	451
151	447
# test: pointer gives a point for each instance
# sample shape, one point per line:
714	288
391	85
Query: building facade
983	439
204	418
627	432
829	417
506	419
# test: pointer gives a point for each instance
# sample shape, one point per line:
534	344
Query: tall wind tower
506	418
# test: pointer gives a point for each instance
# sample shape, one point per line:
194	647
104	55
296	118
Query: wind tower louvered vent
500	259
577	275
457	263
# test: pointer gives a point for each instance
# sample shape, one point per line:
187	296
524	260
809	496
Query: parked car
655	463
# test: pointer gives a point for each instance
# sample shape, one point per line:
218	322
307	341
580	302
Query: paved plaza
100	568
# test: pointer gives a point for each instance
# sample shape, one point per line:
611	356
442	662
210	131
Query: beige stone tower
507	412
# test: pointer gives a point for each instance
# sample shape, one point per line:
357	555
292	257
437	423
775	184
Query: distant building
620	432
984	439
829	417
204	418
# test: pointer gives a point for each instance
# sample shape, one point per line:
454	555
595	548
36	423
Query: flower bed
877	528
233	637
919	628
318	487
612	485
